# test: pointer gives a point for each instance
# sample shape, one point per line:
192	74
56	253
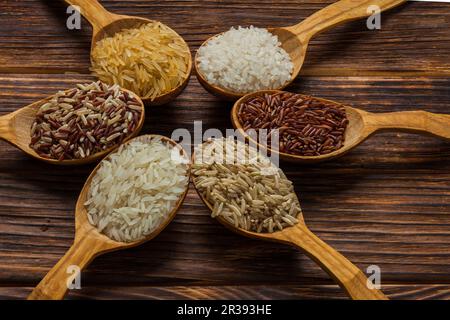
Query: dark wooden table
386	204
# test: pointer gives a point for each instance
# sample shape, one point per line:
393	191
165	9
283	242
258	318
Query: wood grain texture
414	38
261	292
385	203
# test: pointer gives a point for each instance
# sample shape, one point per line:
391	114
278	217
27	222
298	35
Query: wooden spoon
15	128
90	243
106	24
362	125
295	39
345	273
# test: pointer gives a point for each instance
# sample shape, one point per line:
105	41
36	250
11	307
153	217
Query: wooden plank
266	292
386	203
413	40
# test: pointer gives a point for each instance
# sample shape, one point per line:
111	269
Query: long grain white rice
244	60
135	189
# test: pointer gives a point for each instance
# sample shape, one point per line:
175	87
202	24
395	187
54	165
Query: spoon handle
6	132
338	13
94	12
348	276
411	121
54	286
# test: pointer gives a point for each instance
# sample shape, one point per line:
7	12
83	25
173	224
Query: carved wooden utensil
362	125
345	273
89	243
295	39
106	24
15	128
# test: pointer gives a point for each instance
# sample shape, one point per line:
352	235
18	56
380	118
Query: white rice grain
245	60
135	189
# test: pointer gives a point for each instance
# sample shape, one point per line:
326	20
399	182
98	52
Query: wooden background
387	203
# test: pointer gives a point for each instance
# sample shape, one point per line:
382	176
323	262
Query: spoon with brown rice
252	197
129	198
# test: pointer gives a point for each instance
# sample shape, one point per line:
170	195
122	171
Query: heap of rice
135	189
244	187
150	60
245	60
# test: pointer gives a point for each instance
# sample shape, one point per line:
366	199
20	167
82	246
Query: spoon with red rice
331	132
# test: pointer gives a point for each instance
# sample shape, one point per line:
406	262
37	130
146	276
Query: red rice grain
307	126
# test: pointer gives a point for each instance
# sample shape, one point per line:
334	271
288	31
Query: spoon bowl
106	24
15	128
295	39
346	274
362	125
89	243
289	42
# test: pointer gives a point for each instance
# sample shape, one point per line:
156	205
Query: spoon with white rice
129	198
245	60
252	197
